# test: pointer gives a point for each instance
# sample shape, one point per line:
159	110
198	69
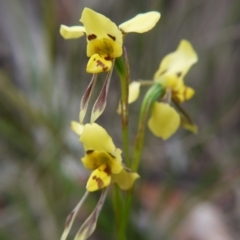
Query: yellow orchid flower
105	38
165	120
103	158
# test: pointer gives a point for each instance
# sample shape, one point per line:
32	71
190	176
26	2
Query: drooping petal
99	178
134	90
89	225
125	179
177	64
98	26
141	23
71	217
72	32
95	137
164	120
98	64
85	98
101	101
186	120
77	127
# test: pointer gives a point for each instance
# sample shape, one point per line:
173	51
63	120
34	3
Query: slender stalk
123	72
151	96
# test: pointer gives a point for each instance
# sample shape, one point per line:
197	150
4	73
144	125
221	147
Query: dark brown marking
111	155
89	151
99	181
122	31
107	170
112	37
108	58
102	65
179	74
91	37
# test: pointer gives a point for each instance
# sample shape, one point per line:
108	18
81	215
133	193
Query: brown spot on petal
112	37
107	170
111	155
102	65
99	181
91	37
89	151
108	58
179	74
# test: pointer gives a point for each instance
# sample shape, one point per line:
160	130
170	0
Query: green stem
123	72
151	96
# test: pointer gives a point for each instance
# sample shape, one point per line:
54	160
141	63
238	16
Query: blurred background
190	185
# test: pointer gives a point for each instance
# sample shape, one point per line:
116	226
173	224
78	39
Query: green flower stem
151	96
155	92
123	72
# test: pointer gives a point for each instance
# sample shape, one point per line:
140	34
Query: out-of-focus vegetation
42	78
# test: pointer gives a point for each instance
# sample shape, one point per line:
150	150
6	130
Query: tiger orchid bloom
105	38
165	120
103	158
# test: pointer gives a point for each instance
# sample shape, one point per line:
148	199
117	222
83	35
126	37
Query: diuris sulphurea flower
105	161
104	45
165	119
105	38
103	158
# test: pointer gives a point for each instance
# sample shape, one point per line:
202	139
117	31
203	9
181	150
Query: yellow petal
177	64
98	26
72	32
104	47
97	64
94	137
164	120
94	159
134	90
141	23
77	127
99	178
125	179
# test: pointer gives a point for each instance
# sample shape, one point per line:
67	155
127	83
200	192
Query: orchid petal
95	137
134	90
98	26
164	120
98	64
140	23
99	178
125	179
85	98
177	64
93	159
101	101
72	32
89	225
71	217
77	127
